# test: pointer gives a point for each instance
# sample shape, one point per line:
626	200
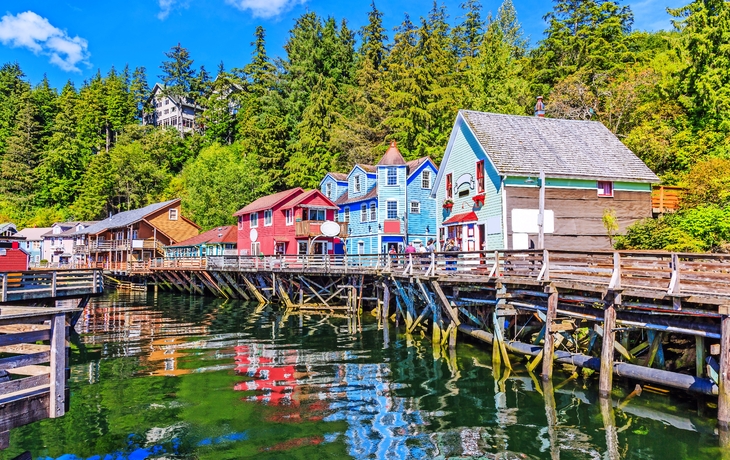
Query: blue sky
72	39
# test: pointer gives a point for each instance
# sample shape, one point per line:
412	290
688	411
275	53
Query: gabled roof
6	226
66	229
305	196
522	146
125	218
218	235
159	87
339	177
392	156
269	201
31	233
346	199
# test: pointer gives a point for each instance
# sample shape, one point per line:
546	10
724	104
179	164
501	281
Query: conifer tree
18	163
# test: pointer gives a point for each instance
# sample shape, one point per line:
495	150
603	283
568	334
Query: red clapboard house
12	258
288	222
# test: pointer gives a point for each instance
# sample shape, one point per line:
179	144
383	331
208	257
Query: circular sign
254	235
329	228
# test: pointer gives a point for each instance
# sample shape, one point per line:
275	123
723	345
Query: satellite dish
329	228
254	235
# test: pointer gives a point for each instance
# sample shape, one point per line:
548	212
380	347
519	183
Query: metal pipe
660	377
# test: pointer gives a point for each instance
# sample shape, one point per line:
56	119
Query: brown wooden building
134	236
489	184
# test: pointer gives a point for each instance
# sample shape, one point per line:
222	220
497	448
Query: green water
167	376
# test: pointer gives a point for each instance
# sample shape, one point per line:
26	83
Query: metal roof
268	201
125	218
218	235
522	146
392	156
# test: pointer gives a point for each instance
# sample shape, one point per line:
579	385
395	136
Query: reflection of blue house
386	205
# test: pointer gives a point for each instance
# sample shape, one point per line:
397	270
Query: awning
461	218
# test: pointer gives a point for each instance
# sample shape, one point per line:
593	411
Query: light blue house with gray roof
386	205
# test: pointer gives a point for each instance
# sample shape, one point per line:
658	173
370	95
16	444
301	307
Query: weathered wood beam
551	316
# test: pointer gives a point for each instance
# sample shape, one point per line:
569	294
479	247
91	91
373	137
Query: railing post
432	267
5	287
53	283
674	285
615	282
58	366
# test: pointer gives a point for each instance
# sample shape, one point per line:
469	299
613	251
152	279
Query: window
346	216
605	188
392	210
363	213
361	247
167	101
253	219
480	176
449	184
289	214
167	111
315	214
415	207
255	248
172	214
392	176
240	223
373	212
268	218
328	187
302	247
426	179
356	184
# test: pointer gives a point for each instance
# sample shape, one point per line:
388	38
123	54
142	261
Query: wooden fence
45	284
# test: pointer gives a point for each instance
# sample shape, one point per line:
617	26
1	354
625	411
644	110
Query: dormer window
392	176
426	179
356	184
172	214
328	189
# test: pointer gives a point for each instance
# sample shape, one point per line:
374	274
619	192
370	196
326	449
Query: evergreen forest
338	96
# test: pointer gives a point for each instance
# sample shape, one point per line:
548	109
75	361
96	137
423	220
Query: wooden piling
699	356
723	401
605	382
548	346
58	366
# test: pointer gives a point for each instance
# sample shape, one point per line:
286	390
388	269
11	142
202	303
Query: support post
605	382
723	399
58	366
699	356
551	316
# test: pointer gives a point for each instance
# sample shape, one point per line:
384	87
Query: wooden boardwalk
49	285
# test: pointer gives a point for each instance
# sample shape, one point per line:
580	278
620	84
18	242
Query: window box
448	203
479	199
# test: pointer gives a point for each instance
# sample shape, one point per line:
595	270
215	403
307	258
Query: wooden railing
671	274
312	228
665	198
39	284
33	350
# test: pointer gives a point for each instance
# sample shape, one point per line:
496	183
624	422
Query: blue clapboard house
386	205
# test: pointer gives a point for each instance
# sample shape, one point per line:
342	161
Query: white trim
504	213
387	202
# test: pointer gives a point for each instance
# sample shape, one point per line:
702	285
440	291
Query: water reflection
173	376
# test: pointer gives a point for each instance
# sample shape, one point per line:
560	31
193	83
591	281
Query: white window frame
415	207
172	214
328	188
373	212
600	190
255	248
289	214
356	184
363	212
361	247
388	210
426	179
268	218
392	177
253	219
346	214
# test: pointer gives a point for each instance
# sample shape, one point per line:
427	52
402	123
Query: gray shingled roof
520	145
346	199
124	218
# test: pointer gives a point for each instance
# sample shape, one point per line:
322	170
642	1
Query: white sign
329	228
254	235
525	221
520	241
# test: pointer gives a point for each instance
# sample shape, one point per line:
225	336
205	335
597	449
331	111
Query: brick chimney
539	108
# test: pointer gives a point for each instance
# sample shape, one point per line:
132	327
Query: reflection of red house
288	222
274	380
12	258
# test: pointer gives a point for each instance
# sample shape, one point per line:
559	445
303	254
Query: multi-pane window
356	184
316	214
255	248
415	207
268	218
172	214
392	210
392	176
480	176
254	219
449	186
363	213
346	215
289	214
328	188
605	188
373	212
426	179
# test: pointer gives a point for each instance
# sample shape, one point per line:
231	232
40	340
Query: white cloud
28	30
166	6
265	8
